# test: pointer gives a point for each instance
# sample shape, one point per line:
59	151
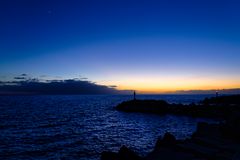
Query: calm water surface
81	127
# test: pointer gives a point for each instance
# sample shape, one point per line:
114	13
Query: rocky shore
209	142
216	107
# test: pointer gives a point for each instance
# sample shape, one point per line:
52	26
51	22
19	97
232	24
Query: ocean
76	127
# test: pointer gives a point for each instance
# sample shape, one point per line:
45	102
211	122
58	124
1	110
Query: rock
169	154
231	128
207	130
168	140
158	143
200	150
105	155
123	154
218	108
127	154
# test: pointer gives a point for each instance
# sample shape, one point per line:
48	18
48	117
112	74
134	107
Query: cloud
113	86
19	78
68	86
43	76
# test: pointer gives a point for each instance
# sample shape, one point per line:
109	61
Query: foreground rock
210	141
123	154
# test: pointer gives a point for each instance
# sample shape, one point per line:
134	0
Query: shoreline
210	141
215	107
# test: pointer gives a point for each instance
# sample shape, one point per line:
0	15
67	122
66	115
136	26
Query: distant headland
215	107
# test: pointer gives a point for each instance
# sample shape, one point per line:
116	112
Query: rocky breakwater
216	107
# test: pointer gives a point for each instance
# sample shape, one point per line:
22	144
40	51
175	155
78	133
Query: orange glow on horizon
171	85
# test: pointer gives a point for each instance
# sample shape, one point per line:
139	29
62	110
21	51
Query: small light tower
134	95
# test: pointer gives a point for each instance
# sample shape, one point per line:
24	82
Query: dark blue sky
145	45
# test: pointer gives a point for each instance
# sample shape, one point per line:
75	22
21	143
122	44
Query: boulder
123	154
105	155
168	140
127	154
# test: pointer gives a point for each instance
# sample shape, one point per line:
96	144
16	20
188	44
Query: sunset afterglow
151	47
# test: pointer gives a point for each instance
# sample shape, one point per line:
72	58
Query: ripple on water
73	127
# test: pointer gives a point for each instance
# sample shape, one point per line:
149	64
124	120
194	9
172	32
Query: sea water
82	126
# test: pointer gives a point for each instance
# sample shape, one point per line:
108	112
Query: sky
144	45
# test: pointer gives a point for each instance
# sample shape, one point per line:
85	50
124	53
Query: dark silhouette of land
222	91
215	107
23	86
210	141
